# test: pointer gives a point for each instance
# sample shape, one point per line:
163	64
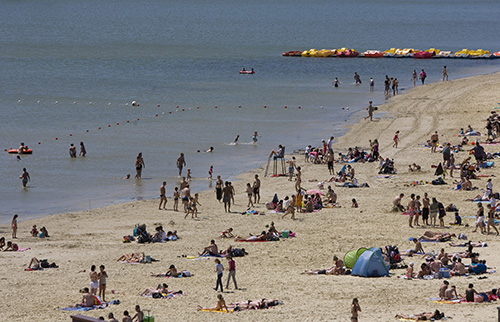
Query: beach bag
148	317
157	295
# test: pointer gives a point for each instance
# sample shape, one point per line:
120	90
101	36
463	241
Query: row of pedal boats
396	53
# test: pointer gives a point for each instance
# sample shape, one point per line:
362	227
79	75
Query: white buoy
109	103
38	102
321	107
347	108
19	101
90	103
57	102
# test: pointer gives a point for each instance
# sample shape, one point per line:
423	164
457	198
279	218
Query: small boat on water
244	71
422	55
293	53
346	52
16	151
373	54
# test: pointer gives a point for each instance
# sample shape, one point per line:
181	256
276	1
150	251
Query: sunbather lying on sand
172	272
132	258
261	236
473	244
427	316
436	236
161	290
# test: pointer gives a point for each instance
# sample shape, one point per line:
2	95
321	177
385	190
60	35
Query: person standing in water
423	76
72	151
163	196
357	78
336	82
255	136
25	177
181	162
414	77
236	139
83	151
139	164
372	84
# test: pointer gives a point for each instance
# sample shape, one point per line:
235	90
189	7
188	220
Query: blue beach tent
370	264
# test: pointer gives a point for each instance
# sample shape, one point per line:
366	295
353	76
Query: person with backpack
423	76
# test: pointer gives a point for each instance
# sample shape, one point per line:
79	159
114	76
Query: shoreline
272	270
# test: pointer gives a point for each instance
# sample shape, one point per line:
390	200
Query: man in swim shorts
256	189
434	141
181	163
163	197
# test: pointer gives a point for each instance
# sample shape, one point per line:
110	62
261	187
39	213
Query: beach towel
88	308
217	311
455	301
203	257
384	177
23	249
252	241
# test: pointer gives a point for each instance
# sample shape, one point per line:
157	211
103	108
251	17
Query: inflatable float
247	72
16	151
373	54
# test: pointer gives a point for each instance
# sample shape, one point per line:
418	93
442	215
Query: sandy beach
272	270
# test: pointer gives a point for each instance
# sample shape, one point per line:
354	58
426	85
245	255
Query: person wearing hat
409	271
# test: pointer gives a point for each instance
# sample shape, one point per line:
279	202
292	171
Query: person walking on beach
232	272
94	280
83	151
25	177
445	74
219	268
423	76
355	308
434	141
370	111
491	219
396	140
163	196
14	226
139	164
218	188
256	189
357	79
249	191
181	162
226	197
72	151
414	77
102	283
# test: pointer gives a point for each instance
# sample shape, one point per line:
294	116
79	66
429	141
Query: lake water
71	66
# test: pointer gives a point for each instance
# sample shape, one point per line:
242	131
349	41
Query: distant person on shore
181	162
226	197
330	159
139	164
219	268
370	111
185	195
255	136
256	189
25	177
387	85
176	199
357	79
445	74
372	84
94	280
163	196
218	188
396	140
232	272
102	283
249	191
236	139
83	151
72	150
423	76
298	181
434	141
414	77
336	82
14	226
395	87
291	168
188	174
355	308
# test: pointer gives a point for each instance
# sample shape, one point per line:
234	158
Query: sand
272	270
